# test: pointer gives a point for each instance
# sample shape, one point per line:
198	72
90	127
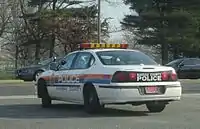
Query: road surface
23	111
28	88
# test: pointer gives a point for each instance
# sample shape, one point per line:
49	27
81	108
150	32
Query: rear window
124	58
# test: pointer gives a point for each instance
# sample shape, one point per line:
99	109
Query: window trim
79	53
76	54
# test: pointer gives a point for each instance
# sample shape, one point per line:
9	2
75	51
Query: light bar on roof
103	46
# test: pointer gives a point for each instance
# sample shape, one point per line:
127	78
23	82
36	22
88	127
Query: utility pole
164	45
53	36
99	21
16	23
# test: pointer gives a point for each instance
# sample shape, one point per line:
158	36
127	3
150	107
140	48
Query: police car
101	74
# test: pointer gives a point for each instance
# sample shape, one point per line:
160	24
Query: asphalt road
28	88
25	112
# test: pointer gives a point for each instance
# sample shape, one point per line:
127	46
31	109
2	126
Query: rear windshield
124	58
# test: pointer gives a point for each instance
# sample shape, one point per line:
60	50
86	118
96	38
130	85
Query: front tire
45	98
155	107
37	74
46	102
91	100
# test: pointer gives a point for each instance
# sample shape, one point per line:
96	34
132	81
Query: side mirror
54	66
63	62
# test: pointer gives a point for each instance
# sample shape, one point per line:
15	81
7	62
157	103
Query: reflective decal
60	79
70	79
83	78
149	77
65	79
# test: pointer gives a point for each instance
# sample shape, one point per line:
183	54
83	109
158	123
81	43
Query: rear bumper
133	95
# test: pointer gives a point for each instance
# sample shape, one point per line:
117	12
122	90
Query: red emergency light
103	46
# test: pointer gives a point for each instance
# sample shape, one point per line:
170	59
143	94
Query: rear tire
45	98
91	100
155	107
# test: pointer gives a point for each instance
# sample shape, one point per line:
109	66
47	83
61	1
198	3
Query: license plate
148	77
151	89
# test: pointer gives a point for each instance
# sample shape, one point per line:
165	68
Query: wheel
37	74
155	107
42	91
91	100
46	102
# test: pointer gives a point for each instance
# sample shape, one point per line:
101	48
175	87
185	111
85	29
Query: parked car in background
186	68
30	73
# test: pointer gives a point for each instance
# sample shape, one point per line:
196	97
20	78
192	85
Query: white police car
95	77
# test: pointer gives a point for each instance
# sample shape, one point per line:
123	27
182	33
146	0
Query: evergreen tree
162	23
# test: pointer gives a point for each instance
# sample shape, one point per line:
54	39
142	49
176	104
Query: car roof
192	58
99	50
184	58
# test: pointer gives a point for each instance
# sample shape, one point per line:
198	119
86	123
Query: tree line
56	27
51	28
170	26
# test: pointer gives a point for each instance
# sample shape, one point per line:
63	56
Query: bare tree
5	14
8	14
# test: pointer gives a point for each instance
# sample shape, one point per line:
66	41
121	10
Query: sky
117	11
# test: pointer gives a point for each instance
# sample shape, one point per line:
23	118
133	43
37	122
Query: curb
189	81
11	81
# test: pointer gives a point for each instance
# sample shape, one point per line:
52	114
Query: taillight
174	76
165	76
123	76
132	76
120	77
127	76
169	76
